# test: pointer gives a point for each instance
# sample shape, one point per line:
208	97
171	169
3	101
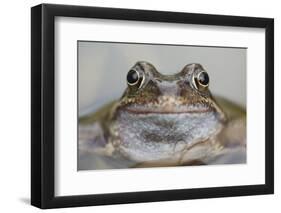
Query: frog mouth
168	110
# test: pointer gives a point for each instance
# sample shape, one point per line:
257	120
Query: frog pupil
132	77
203	78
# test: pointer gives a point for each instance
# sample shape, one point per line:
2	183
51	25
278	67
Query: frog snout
167	88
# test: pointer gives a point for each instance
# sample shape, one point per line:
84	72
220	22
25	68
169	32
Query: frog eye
133	77
201	80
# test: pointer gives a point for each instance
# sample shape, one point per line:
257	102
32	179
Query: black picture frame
43	102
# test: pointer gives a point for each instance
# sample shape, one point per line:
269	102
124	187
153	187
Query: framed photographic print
140	106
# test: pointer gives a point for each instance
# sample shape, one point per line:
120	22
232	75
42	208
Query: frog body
163	120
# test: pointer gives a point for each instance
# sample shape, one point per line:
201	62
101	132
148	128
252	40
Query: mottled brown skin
163	120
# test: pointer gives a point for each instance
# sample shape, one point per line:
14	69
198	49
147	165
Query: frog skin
163	120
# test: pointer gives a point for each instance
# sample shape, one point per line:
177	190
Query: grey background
103	66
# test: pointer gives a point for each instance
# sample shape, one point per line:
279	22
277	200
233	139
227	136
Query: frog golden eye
201	80
133	77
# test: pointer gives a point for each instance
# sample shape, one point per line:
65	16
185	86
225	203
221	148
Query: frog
163	120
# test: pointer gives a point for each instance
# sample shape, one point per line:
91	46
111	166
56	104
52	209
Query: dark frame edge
154	196
42	92
269	99
36	84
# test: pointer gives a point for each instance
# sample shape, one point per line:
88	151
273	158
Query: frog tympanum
163	120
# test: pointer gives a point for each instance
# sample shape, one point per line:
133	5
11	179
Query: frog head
160	115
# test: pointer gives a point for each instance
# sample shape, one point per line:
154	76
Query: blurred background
103	66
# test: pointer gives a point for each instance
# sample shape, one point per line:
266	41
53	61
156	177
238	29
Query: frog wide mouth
168	109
